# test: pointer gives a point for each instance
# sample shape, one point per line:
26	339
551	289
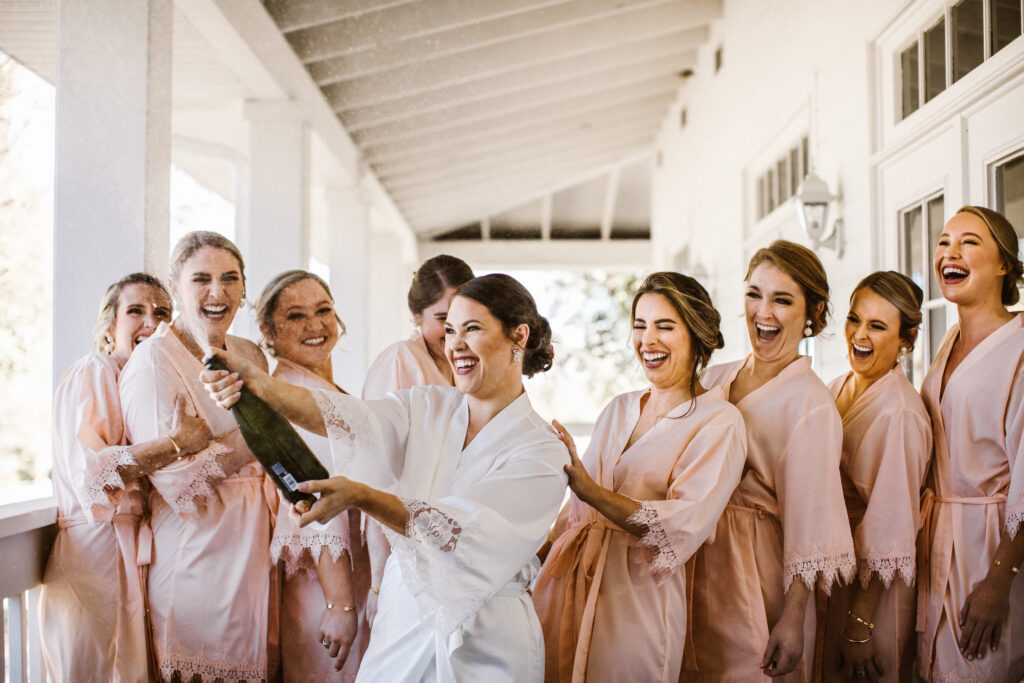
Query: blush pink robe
403	365
887	444
303	658
978	479
209	584
612	606
92	608
786	520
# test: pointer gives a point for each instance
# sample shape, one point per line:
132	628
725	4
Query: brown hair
801	264
1007	240
194	241
267	303
901	292
511	303
693	304
107	315
433	277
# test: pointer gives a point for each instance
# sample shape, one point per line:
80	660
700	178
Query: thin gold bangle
861	621
346	608
375	590
1013	570
177	448
857	642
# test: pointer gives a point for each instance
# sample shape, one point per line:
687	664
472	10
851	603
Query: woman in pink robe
327	577
416	362
887	442
209	583
658	472
971	598
92	607
786	520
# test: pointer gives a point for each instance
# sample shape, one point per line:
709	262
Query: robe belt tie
761	512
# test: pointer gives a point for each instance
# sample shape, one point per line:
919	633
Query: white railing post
34	637
16	630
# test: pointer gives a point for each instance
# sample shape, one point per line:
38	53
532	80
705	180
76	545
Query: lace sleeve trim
661	557
103	475
338	429
1015	517
302	551
204	474
430	526
831	566
886	567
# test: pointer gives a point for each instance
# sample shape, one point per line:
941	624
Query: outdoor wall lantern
812	199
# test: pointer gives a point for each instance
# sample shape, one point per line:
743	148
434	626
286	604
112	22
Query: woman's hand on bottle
580	481
225	386
337	494
190	433
337	633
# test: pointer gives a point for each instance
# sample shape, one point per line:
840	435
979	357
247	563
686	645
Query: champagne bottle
275	443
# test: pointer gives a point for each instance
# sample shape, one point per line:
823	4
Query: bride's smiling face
776	312
479	350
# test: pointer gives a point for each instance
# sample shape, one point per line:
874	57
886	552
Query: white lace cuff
202	475
302	551
103	475
430	526
1015	517
831	566
339	431
661	557
886	566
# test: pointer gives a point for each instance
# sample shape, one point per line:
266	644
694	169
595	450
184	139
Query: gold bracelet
1013	570
376	591
346	608
856	642
177	448
861	621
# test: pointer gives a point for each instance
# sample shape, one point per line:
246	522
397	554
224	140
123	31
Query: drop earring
808	328
902	355
516	353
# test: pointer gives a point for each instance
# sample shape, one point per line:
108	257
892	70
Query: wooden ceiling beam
293	15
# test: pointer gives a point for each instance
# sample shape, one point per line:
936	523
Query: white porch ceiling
466	108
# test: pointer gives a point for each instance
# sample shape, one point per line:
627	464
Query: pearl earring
902	355
808	328
515	355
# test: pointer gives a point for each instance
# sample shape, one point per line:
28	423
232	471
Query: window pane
795	177
911	96
968	37
936	330
910	249
770	187
783	175
935	60
935	226
1005	22
805	166
1010	192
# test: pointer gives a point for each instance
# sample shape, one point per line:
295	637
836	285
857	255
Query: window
910	97
1009	195
935	60
1004	16
966	23
782	179
920	227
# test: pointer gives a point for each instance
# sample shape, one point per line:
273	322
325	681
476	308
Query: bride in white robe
478	480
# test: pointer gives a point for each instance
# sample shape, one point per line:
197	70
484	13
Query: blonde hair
267	303
801	264
1007	240
194	241
107	315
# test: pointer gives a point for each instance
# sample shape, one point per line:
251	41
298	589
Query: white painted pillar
273	199
348	216
113	157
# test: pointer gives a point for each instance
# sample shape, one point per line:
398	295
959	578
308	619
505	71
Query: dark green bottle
275	443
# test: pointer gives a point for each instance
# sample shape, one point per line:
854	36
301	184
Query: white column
273	198
113	157
349	220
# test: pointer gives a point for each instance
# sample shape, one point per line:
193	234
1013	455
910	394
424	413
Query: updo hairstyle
266	305
1006	240
510	302
901	292
194	241
107	315
801	264
433	277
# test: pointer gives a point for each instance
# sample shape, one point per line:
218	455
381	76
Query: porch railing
27	531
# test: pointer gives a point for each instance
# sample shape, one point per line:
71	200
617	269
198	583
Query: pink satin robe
403	365
612	606
785	520
209	584
887	445
978	479
303	658
92	608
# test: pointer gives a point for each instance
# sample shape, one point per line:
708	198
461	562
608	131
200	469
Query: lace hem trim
953	676
427	560
301	552
661	557
104	475
205	474
831	567
190	666
1015	517
886	568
